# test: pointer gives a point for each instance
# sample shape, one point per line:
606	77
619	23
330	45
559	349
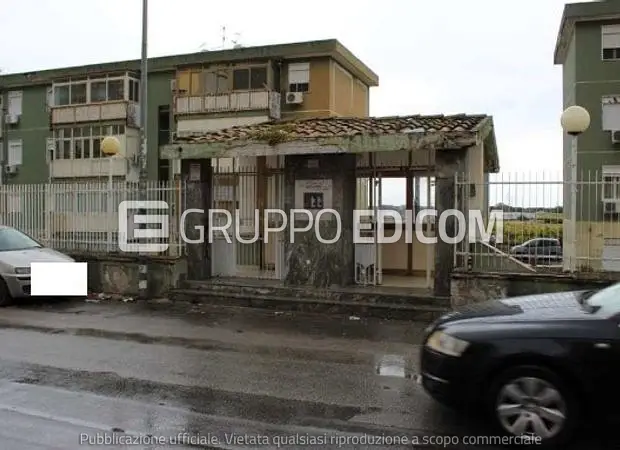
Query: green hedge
516	233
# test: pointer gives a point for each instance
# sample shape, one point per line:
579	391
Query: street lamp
574	120
110	146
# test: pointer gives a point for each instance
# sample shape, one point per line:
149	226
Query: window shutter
15	153
299	73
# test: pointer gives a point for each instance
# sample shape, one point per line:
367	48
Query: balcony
230	102
121	110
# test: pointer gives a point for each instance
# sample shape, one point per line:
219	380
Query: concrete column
197	181
448	163
310	262
410	206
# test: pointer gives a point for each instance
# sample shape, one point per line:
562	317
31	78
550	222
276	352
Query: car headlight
22	270
446	344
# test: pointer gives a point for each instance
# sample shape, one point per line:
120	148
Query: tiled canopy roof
345	126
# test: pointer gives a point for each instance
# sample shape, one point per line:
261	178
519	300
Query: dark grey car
539	251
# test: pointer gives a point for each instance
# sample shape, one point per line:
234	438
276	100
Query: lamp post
575	120
142	160
111	147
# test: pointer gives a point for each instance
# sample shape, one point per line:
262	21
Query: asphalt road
115	375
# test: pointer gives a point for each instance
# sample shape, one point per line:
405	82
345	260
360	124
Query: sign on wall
313	195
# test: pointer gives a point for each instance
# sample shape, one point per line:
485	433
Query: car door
547	251
527	251
598	358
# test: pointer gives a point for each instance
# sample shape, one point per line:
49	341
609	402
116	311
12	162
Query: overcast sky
444	56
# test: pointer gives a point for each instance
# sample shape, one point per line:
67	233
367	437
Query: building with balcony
588	49
56	118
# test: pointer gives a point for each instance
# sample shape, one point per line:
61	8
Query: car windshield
605	301
11	239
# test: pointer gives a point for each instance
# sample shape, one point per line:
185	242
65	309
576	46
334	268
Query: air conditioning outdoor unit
11	118
10	169
173	86
294	98
615	137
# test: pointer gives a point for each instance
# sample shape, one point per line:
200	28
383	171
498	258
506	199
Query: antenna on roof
237	41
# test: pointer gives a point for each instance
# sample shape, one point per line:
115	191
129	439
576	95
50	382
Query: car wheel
5	296
533	401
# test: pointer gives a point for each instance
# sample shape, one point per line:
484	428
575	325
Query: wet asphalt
76	374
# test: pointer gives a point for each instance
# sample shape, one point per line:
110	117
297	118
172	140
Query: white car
17	252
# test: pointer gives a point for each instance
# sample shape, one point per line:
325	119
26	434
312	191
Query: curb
425	313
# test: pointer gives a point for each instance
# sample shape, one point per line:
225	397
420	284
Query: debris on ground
354	318
96	297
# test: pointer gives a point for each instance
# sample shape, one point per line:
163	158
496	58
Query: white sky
445	56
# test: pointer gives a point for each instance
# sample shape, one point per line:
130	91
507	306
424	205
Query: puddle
392	366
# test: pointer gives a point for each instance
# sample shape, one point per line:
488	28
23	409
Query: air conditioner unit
615	136
294	98
173	86
612	207
10	169
11	118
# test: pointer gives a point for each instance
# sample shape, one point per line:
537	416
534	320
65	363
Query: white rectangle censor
59	279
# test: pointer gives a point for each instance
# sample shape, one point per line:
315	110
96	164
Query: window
216	82
195	83
116	90
241	80
134	90
610	40
15	103
83	142
611	183
62	95
611	112
96	146
98	91
252	78
605	302
11	239
15	153
299	77
78	93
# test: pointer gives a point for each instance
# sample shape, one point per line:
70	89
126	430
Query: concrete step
372	295
249	296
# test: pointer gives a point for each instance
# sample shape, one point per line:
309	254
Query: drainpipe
5	135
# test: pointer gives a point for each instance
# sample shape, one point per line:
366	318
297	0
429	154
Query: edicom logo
223	224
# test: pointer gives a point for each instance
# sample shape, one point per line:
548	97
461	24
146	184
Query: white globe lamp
575	120
110	146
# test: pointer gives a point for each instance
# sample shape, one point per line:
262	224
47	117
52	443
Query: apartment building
55	119
588	48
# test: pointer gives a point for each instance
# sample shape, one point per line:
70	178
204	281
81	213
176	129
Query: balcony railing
228	102
95	112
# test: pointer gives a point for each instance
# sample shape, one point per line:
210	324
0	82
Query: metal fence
549	224
83	216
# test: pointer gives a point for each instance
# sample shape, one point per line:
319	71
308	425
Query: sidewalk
209	327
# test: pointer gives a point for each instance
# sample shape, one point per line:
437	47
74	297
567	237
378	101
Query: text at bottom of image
305	440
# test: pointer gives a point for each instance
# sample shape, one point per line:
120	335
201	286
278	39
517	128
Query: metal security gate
368	257
243	190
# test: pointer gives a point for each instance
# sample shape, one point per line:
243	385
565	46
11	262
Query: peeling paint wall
119	275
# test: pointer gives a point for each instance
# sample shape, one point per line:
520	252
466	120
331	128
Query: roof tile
344	127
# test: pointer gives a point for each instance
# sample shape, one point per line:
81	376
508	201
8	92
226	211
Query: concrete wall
469	288
119	274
